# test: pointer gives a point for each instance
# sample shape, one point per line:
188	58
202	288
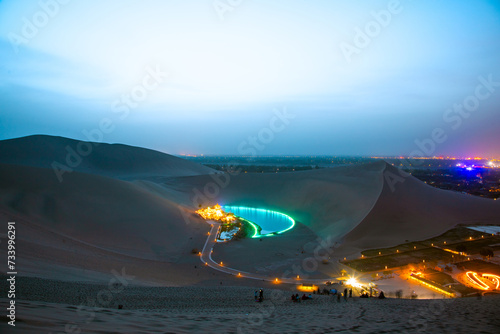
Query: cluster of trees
243	232
486	252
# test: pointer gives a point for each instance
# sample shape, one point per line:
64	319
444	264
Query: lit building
216	213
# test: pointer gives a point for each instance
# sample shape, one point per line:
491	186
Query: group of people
259	295
296	298
365	294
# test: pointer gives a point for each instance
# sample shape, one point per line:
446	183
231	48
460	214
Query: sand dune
330	202
353	207
94	216
113	160
412	210
232	310
93	221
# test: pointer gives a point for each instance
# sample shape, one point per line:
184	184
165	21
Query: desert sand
132	209
54	307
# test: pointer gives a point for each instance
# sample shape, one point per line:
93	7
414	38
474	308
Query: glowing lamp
307	288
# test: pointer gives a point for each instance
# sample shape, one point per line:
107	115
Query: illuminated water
269	221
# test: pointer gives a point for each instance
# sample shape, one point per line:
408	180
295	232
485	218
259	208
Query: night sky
267	77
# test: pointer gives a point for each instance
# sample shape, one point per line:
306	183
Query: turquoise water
269	221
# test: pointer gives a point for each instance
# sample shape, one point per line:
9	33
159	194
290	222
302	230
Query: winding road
206	258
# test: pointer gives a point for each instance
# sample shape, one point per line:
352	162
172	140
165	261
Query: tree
486	252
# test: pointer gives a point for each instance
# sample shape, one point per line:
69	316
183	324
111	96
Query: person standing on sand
338	297
350	293
255	295
261	295
345	294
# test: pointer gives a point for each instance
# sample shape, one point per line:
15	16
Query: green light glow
256	226
256	229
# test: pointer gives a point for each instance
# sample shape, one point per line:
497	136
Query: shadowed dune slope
413	210
103	212
113	160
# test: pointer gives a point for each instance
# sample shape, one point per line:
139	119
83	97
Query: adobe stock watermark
453	117
31	27
122	107
222	7
372	29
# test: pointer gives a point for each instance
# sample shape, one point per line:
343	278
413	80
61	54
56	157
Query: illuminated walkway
206	258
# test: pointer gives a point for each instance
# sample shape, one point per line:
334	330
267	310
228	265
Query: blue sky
227	66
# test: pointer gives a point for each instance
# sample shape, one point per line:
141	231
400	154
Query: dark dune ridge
113	160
